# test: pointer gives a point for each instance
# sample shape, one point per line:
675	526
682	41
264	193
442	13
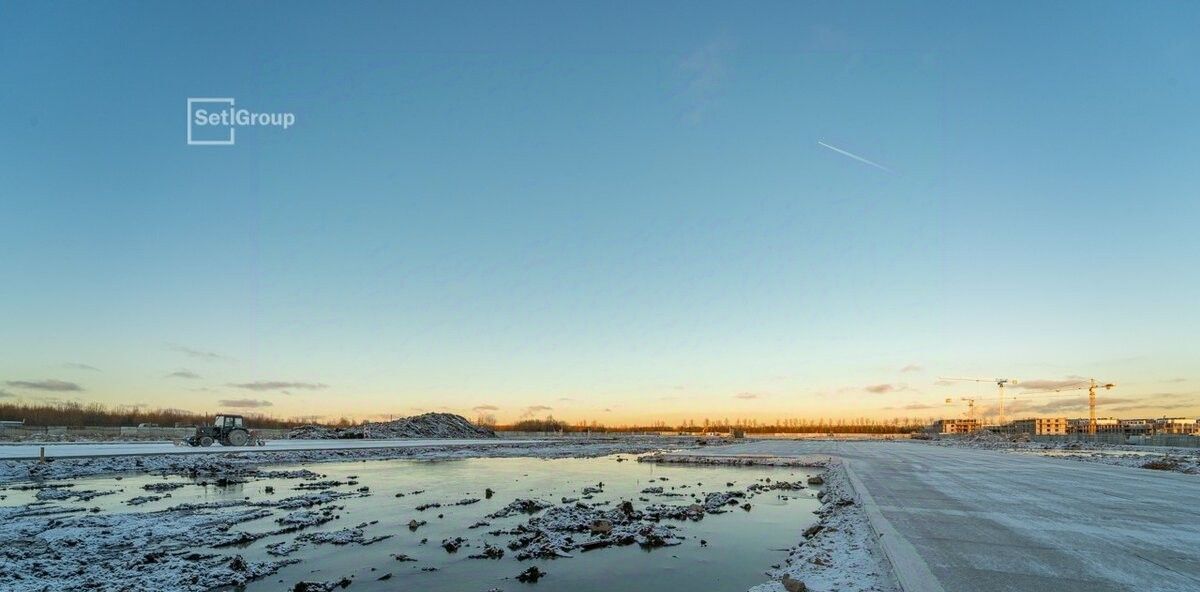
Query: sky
612	211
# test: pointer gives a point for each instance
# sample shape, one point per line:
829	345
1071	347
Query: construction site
858	511
1162	431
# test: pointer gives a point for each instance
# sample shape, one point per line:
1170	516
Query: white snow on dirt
1160	458
426	425
53	548
839	552
31	451
233	462
46	546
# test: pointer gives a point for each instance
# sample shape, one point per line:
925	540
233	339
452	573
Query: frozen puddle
361	523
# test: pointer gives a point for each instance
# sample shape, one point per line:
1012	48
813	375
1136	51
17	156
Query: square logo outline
232	131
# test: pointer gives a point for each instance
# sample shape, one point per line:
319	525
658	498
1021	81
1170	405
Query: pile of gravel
426	425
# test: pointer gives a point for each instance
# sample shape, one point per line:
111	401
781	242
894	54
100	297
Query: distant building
1175	425
1104	425
1041	426
953	426
1137	427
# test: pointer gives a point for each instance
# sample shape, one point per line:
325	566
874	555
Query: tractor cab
227	421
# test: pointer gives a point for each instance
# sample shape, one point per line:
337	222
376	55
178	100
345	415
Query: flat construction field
956	519
100	449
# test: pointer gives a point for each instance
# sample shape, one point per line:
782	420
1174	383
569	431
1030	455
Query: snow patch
839	552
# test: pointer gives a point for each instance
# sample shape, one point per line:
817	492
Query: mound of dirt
427	425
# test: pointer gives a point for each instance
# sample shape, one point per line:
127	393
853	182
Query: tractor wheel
206	441
237	438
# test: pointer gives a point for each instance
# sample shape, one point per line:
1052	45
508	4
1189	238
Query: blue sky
615	211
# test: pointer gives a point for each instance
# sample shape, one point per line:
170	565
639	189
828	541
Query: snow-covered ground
972	518
50	544
1160	458
913	484
181	461
51	547
839	553
53	536
979	515
71	450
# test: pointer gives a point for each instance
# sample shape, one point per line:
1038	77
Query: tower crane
1091	385
1000	382
970	408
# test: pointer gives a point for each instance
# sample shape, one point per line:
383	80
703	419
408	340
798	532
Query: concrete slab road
982	520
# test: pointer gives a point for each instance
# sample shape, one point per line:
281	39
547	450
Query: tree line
903	425
75	414
72	414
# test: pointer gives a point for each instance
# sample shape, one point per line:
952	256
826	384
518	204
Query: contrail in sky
855	157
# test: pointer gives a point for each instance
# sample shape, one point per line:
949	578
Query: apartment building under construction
954	426
1041	426
1176	426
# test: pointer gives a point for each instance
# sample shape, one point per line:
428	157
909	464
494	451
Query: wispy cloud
244	403
534	409
188	374
911	368
5	394
1044	384
198	354
880	389
278	385
913	407
481	408
746	396
855	157
78	366
1035	406
1071	404
1159	406
1012	408
704	72
827	38
49	384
